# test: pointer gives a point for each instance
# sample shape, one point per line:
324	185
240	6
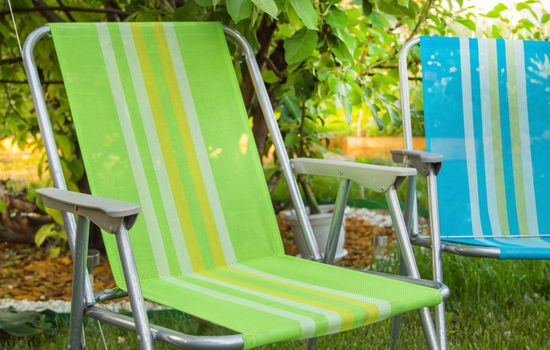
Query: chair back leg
410	263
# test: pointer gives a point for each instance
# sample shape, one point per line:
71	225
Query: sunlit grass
494	305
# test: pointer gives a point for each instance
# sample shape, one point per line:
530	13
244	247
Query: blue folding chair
487	116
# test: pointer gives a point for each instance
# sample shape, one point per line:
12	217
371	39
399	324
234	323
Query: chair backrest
160	121
487	111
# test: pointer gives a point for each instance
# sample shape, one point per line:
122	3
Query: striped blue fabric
487	111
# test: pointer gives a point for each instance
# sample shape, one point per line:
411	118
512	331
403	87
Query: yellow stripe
370	308
189	148
346	315
168	151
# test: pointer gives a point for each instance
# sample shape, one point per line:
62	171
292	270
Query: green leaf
291	139
468	23
22	324
404	3
300	46
495	12
55	215
268	6
239	9
207	3
43	233
367	7
65	145
269	76
336	18
191	11
306	12
3	206
545	18
339	49
379	122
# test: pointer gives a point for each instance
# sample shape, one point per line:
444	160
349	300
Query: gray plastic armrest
378	178
108	214
420	160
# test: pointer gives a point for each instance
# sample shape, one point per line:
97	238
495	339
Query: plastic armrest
377	178
422	161
108	214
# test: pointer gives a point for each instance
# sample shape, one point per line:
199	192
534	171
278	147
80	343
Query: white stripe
469	138
198	141
132	148
384	307
154	148
307	324
527	163
488	135
333	318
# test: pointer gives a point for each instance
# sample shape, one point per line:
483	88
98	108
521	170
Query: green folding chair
161	122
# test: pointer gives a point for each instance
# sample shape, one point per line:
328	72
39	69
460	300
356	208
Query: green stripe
517	160
497	141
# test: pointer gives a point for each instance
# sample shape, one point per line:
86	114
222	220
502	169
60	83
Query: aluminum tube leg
48	137
396	321
334	234
410	263
336	223
410	209
437	263
134	290
76	339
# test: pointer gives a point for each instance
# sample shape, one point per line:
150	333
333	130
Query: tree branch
12	60
50	9
24	82
48	14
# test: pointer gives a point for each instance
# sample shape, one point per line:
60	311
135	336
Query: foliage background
328	65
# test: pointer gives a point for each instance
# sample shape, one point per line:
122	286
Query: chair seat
282	298
512	248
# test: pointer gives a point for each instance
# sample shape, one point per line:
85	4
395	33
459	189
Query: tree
322	60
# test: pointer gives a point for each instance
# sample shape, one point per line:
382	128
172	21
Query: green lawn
494	305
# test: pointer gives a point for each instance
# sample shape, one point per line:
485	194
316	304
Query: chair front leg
410	263
137	303
76	334
437	263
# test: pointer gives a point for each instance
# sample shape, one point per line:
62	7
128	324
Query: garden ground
493	305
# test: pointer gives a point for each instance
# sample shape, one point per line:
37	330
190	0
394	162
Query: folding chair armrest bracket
108	214
378	178
420	160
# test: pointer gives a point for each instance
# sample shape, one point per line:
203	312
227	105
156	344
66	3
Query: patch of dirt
359	241
29	273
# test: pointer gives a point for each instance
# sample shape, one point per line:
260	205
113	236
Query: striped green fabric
161	122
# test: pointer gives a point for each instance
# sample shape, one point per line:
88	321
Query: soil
28	272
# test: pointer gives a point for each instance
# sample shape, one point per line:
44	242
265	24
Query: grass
494	305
